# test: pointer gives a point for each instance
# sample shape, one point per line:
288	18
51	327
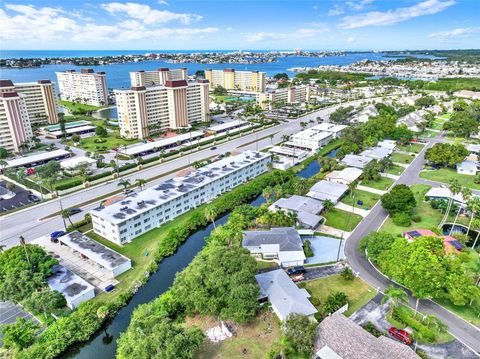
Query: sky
239	24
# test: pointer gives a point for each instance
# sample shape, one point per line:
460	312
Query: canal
103	344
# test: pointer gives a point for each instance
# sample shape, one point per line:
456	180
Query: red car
400	335
30	171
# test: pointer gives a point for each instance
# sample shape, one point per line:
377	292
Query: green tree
211	212
334	302
20	285
445	154
300	333
3	153
140	183
400	199
76	138
124	182
44	301
425	101
396	296
163	339
49	173
19	335
100	131
66	213
220	281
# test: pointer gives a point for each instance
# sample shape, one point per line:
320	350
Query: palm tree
327	205
124	182
466	194
454	189
66	213
211	213
396	296
301	186
473	204
22	243
476	225
3	164
267	193
140	182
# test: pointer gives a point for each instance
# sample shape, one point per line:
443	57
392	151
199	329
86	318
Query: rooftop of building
348	174
152	197
94	250
324	190
329	127
312	134
68	283
226	125
287	238
300	203
23	161
356	160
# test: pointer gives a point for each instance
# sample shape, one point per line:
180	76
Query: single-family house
413	120
344	176
339	337
328	190
390	145
377	153
473	148
444	194
450	244
356	161
307	209
466	167
282	245
284	295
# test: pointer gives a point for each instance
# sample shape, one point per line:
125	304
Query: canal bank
103	344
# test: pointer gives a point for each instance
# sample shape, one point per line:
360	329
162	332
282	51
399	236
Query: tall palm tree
124	182
473	204
301	186
66	213
454	189
140	182
211	213
466	194
22	243
327	205
267	193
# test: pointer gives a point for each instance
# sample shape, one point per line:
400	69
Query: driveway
375	313
323	271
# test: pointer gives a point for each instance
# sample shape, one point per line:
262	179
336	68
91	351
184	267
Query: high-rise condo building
86	87
175	104
15	127
251	81
158	77
40	100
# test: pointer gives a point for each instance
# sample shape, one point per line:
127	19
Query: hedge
127	167
98	176
69	184
404	316
84	321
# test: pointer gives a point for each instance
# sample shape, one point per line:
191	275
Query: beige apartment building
251	81
158	77
87	86
292	94
15	127
40	101
173	105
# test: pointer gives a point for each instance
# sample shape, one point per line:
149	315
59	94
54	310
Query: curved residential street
462	330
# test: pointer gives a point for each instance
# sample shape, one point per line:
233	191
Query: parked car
296	270
400	335
33	198
150	139
75	210
213	148
114	149
55	235
298	277
30	171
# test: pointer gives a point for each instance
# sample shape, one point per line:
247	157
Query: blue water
118	74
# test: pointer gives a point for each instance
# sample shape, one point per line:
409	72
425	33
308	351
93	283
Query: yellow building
251	81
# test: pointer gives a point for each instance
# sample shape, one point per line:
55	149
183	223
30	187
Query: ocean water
118	74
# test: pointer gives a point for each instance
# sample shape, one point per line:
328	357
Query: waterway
103	344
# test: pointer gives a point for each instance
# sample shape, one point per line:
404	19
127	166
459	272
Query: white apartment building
15	126
334	129
309	139
230	79
123	221
175	104
292	94
158	77
86	86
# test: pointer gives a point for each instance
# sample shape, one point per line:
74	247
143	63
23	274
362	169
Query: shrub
307	248
335	301
69	184
405	316
98	176
369	327
401	219
315	301
126	167
347	274
416	218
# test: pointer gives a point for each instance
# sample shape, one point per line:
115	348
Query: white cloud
229	28
350	39
460	32
358	4
315	7
148	15
312	30
36	25
337	10
378	18
162	2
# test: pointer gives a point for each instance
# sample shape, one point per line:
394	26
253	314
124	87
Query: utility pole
339	247
61	213
22	242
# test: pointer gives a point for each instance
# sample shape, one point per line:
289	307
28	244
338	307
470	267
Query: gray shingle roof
288	238
324	190
351	341
284	295
300	203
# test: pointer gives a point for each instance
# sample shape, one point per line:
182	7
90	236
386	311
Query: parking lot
15	198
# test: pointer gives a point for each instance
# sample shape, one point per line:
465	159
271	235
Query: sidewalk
389	175
348	208
371	190
333	231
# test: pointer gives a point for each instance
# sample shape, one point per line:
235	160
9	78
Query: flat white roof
348	174
75	161
68	283
94	250
329	127
36	158
166	191
227	125
288	151
312	134
73	130
162	143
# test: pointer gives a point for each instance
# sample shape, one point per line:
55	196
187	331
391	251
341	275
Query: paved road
462	330
26	222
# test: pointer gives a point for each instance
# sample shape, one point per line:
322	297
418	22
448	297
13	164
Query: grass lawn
446	174
339	219
429	217
382	184
369	199
73	106
466	312
428	134
251	340
437	124
266	265
111	141
358	291
402	158
395	170
412	147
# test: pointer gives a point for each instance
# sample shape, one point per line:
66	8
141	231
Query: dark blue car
55	235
